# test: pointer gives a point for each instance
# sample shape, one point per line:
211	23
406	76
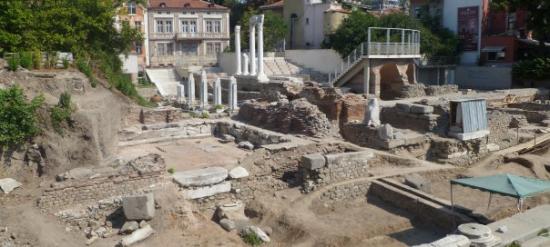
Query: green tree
538	18
18	118
275	29
354	31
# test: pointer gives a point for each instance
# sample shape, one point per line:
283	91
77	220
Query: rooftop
190	4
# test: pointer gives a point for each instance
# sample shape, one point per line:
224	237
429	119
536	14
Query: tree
18	119
275	29
539	17
354	31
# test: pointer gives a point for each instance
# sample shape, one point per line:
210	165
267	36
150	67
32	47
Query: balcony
188	36
202	35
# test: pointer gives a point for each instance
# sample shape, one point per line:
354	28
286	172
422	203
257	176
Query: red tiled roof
190	4
275	5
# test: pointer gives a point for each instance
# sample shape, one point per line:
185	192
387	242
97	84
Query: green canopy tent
505	184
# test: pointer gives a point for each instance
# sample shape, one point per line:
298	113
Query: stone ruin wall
68	194
141	115
421	90
323	169
84	186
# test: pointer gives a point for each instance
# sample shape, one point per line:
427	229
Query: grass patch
13	62
543	233
61	113
171	170
251	239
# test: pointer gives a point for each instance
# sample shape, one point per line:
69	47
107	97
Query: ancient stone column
238	49
181	93
252	44
204	90
261	74
245	64
217	92
191	91
232	93
372	113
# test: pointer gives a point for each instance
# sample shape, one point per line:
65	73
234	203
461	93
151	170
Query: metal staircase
398	43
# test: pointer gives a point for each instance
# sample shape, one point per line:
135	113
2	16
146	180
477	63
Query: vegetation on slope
84	27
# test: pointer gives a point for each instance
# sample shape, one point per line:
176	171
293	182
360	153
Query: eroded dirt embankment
88	139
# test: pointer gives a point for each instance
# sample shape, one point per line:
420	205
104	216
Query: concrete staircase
279	66
166	80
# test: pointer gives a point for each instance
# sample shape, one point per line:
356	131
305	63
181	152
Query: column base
263	78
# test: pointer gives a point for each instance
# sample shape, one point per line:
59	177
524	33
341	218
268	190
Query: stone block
227	224
246	145
313	161
422	109
140	207
200	177
418	182
206	191
238	172
137	236
129	227
346	159
404	107
7	185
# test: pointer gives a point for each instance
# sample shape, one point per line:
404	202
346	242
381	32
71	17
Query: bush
536	69
51	59
37	59
171	170
61	112
218	107
251	238
13	62
205	115
26	60
18	118
65	63
85	68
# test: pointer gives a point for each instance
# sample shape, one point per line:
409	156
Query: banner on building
468	28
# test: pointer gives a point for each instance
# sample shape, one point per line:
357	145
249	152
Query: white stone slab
238	172
200	177
7	185
206	191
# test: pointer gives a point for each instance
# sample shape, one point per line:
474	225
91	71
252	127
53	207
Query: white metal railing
397	42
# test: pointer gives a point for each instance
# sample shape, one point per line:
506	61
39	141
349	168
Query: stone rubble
201	177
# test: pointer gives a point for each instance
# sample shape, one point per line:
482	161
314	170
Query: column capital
237	28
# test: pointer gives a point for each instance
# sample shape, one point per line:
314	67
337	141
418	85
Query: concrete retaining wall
486	78
425	210
322	60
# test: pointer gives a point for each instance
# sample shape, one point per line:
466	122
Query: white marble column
238	49
252	45
217	92
232	93
204	91
191	91
181	93
262	77
245	64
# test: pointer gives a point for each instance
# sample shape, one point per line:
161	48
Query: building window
137	24
138	48
511	19
168	26
213	48
213	26
165	49
189	49
132	8
160	26
189	26
217	27
164	26
208	26
496	56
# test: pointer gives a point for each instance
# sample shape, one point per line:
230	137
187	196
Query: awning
493	49
506	184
